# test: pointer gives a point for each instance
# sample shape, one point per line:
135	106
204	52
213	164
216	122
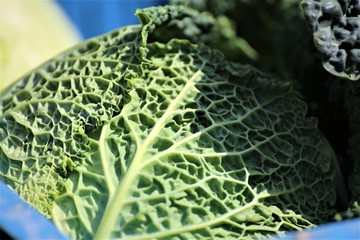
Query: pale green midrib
115	204
102	151
215	221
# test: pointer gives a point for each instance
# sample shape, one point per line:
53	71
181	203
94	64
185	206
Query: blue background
95	17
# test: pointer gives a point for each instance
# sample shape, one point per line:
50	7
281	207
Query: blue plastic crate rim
20	221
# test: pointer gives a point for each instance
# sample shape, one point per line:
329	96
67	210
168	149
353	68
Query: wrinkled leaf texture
336	31
123	138
278	32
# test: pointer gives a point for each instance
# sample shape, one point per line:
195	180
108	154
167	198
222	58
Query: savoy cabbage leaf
121	137
275	29
279	34
217	32
336	31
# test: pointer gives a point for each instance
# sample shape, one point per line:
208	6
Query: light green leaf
139	140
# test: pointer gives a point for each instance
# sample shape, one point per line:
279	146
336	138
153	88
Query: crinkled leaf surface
336	31
123	138
271	28
217	32
46	116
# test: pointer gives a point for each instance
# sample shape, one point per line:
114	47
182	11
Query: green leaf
335	26
140	140
218	32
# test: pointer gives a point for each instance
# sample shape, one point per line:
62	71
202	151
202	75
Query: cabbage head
124	137
336	30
